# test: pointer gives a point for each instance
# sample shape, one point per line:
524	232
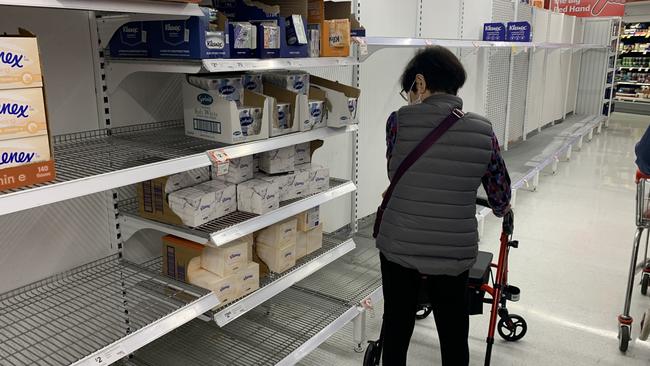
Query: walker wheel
645	281
373	354
623	337
423	312
512	328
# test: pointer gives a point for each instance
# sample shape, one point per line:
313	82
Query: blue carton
267	51
131	40
286	50
494	32
237	50
189	39
519	32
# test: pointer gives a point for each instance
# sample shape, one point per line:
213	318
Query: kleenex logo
127	29
14	109
235	255
514	27
11	59
19	157
298	85
205	99
172	27
493	28
248	277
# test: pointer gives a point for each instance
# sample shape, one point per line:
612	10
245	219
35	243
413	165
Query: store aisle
575	237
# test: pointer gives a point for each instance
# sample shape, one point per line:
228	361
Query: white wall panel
554	91
537	77
592	68
519	85
576	58
440	21
66	56
568	28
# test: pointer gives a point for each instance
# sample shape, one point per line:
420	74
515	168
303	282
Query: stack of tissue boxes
276	245
258	196
309	237
204	202
278	161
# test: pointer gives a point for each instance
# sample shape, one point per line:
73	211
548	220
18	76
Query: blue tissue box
494	32
519	32
131	40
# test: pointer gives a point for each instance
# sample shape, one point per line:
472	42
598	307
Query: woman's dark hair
441	69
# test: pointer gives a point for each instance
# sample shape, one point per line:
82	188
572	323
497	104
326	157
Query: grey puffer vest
430	221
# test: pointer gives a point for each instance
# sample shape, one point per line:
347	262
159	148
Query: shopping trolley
642	223
511	327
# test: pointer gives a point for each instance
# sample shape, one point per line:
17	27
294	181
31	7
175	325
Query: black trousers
449	301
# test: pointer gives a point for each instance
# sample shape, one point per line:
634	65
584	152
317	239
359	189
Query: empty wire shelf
94	314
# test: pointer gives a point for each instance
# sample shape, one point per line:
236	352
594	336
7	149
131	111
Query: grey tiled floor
575	233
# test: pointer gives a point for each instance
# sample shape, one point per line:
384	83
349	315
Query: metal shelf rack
94	314
95	161
233	226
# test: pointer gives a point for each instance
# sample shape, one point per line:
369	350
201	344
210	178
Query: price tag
110	356
220	161
363	46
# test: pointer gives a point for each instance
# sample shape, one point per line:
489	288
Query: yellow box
315	239
22	113
177	254
335	38
309	219
248	279
277	259
224	287
278	235
20	65
17	152
226	259
301	244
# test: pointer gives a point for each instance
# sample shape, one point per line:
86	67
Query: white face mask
417	101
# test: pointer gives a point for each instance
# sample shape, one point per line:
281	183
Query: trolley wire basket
642	201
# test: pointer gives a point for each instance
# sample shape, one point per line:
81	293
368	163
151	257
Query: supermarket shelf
95	161
632	99
633	68
233	226
632	83
94	314
120	69
271	286
118	6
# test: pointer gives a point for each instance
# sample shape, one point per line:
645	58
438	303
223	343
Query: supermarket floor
575	237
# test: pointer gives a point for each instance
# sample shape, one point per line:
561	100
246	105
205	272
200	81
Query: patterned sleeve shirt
496	179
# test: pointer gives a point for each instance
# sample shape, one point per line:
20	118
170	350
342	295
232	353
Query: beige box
226	259
309	219
24	151
278	235
248	279
239	170
204	202
258	196
226	288
315	239
22	113
20	65
301	244
277	259
177	254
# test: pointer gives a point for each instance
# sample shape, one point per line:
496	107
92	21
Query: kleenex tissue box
258	196
278	161
204	202
303	153
239	170
319	177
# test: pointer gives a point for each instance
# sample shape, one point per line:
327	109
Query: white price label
110	356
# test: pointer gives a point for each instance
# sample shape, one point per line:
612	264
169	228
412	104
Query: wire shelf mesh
62	319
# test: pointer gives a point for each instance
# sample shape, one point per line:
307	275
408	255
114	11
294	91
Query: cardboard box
301	244
204	202
297	186
303	153
258	196
268	39
253	82
243	39
210	117
248	279
228	87
225	288
131	40
294	81
494	32
278	160
309	219
194	38
175	182
278	259
278	235
22	114
341	101
17	153
316	106
318	177
226	259
337	24
315	239
239	170
20	65
298	108
177	254
343	10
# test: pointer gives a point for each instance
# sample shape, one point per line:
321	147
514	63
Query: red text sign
590	8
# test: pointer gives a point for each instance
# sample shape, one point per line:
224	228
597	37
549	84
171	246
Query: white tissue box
278	161
278	235
258	196
239	170
303	153
297	186
319	177
202	203
186	179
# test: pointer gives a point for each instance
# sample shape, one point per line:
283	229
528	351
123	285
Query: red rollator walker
642	223
511	327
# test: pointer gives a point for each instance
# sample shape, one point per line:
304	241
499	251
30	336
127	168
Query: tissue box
21	65
281	180
278	235
131	40
278	161
227	87
268	40
297	186
22	114
258	196
256	163
335	38
250	120
303	153
243	39
177	253
309	219
248	279
295	81
152	194
494	32
290	109
226	259
253	81
278	259
341	101
239	170
519	32
225	288
204	202
318	177
315	239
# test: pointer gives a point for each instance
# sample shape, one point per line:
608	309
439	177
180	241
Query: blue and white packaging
268	40
227	87
519	32
494	32
131	40
250	120
253	81
316	113
284	115
341	101
295	81
243	39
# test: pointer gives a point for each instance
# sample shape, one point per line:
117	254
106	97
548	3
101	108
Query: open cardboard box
317	117
341	101
336	24
211	117
18	148
298	106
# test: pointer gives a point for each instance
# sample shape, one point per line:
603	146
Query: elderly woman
426	230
